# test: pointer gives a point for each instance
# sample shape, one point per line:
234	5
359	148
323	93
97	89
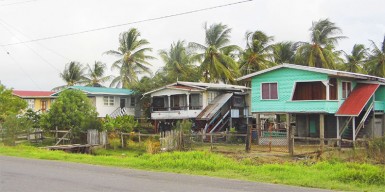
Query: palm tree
95	76
320	51
257	54
133	58
217	64
177	60
284	52
376	61
73	73
355	61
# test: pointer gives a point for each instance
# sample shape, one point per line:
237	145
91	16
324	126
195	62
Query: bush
114	143
12	126
376	149
152	145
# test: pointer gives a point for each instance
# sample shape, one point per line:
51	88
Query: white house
111	101
212	107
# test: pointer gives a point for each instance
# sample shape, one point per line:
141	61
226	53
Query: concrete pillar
338	132
354	128
169	103
188	101
258	126
322	130
290	135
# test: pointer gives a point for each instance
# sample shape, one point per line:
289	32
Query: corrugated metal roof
32	94
102	90
315	69
200	86
357	100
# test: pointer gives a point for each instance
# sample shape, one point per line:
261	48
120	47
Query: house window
132	102
195	101
346	89
211	96
269	91
43	105
108	101
315	90
31	103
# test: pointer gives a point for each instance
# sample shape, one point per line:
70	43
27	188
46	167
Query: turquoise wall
286	78
380	98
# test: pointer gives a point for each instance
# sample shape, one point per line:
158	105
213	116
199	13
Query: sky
36	65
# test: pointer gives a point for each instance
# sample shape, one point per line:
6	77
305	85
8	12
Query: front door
122	102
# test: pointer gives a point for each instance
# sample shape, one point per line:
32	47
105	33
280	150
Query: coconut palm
257	55
376	61
176	59
217	63
355	61
95	76
73	73
319	52
133	58
284	52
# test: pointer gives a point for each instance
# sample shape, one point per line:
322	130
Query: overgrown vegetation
325	174
71	110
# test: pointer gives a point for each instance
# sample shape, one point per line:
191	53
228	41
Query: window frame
132	101
261	90
109	102
345	92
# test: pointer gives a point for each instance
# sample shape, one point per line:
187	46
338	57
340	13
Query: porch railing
175	108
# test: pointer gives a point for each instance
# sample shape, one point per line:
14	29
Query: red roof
21	93
357	100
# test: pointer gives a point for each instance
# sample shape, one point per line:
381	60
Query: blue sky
36	65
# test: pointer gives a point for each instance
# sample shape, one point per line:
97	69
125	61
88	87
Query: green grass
327	174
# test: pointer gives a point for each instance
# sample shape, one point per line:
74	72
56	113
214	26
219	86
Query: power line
129	23
20	2
29	47
22	69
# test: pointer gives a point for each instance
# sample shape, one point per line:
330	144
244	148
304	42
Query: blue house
321	103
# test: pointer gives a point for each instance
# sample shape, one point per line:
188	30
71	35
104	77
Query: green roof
103	90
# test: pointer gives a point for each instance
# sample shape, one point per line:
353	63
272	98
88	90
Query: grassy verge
328	175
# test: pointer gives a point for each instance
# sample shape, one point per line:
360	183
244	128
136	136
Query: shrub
114	143
14	125
152	145
376	149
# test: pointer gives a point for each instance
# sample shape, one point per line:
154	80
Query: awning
357	100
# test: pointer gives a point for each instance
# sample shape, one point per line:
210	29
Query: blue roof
102	90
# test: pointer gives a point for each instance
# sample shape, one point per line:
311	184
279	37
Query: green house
321	102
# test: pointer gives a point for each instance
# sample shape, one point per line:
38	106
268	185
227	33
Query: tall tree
319	52
71	110
73	73
216	61
10	104
95	75
376	60
133	58
257	55
177	60
284	52
355	61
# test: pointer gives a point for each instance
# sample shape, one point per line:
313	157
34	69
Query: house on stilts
319	103
211	107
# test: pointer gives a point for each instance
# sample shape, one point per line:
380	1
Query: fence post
139	137
121	137
248	139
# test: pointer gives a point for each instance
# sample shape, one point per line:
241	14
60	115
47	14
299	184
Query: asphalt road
24	175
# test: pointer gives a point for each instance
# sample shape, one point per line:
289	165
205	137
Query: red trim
357	100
